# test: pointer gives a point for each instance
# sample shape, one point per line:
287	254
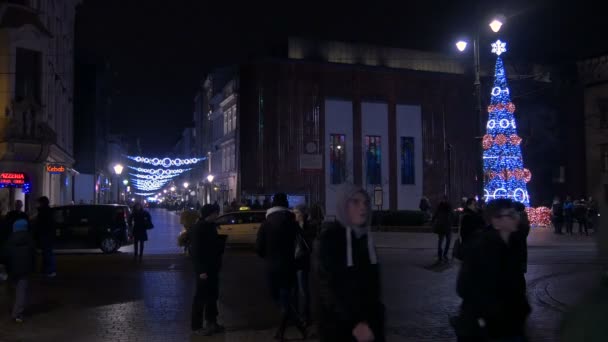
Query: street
99	297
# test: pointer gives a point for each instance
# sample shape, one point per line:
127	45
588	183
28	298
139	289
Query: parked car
92	226
241	226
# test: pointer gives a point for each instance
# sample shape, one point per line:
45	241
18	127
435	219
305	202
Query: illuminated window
407	161
373	162
337	158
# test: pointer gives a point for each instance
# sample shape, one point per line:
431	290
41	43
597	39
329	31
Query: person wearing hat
206	252
276	244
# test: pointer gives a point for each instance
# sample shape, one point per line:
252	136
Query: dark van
92	226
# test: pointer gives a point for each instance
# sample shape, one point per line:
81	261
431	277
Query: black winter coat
471	224
45	227
348	295
276	241
141	221
20	252
309	233
206	248
492	286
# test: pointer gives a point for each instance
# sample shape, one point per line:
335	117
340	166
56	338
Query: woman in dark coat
349	289
306	239
141	221
206	251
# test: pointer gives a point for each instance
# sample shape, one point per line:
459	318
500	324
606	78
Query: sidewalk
539	237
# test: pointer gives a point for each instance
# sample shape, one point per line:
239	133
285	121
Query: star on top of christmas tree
499	47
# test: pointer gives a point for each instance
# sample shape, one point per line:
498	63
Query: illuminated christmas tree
503	166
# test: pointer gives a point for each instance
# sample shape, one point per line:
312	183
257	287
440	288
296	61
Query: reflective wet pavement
111	298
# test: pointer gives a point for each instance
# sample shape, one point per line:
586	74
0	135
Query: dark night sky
160	50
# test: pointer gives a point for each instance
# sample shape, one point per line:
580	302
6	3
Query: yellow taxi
241	226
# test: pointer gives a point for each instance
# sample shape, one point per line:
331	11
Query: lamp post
461	45
210	179
118	171
125	182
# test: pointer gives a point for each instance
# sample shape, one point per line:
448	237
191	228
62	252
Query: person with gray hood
349	276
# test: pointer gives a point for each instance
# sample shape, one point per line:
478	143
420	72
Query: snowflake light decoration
499	47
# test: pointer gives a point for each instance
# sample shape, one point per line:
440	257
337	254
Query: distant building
398	122
93	105
593	74
36	78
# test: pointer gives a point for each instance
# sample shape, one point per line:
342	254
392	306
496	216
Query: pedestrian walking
206	251
141	221
304	243
491	282
19	249
519	239
581	216
471	224
594	214
568	215
442	226
349	276
557	215
276	243
44	228
425	207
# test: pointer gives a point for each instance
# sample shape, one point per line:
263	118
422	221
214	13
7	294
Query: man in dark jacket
276	243
19	249
491	282
45	232
206	250
519	239
472	221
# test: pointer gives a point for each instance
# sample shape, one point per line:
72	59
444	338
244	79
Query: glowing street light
495	25
118	169
210	178
172	188
461	45
165	191
125	182
186	185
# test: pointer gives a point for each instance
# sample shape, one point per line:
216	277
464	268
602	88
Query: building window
604	157
337	158
28	75
407	161
602	105
373	156
225	123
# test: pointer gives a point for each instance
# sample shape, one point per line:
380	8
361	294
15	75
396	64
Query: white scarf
371	248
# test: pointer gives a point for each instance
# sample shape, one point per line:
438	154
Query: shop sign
12	178
55	168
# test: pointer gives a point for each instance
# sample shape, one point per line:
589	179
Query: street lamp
210	178
186	185
165	191
125	182
461	45
118	170
172	188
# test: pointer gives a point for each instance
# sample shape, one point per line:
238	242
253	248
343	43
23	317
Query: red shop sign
16	178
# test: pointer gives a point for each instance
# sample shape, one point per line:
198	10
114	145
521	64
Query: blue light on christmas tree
503	166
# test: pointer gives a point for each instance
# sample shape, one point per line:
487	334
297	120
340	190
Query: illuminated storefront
13	186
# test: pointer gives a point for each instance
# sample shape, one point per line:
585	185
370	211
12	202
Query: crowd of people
584	213
20	235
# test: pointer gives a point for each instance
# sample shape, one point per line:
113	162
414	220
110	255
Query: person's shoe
52	275
215	328
18	319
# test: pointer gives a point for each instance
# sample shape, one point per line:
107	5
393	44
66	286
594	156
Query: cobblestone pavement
110	298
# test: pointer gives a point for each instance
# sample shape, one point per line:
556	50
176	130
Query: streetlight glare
186	185
172	188
461	45
118	169
495	25
210	178
125	182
